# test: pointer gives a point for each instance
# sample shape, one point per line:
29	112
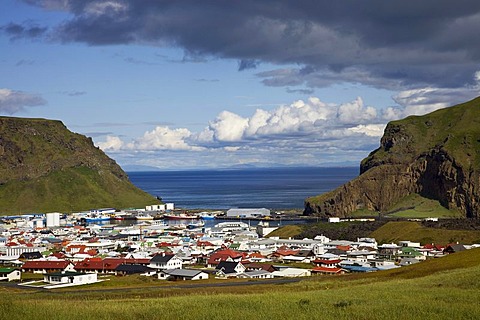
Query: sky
195	84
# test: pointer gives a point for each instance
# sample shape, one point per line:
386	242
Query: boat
181	216
195	225
208	215
144	216
96	218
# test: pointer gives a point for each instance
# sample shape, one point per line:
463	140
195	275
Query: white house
229	268
165	261
182	274
10	274
256	274
292	272
69	277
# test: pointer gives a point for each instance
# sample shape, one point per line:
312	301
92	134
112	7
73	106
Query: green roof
7	270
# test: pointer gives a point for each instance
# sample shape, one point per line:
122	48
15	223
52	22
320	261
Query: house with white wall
70	278
10	274
165	261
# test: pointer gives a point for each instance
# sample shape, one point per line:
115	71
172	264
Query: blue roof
359	269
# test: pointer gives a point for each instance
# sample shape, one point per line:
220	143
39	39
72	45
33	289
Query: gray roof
256	272
182	272
65	274
162	258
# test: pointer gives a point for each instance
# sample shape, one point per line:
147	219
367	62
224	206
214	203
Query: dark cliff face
44	166
436	156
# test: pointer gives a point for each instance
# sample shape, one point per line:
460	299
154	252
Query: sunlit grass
445	288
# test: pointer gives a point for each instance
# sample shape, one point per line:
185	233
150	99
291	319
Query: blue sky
210	84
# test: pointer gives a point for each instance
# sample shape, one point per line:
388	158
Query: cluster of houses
77	254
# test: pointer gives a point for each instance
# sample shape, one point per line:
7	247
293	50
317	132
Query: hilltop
45	167
435	156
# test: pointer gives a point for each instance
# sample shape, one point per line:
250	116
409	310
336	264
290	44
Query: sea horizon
225	188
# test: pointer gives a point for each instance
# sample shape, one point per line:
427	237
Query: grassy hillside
456	129
413	206
46	167
416	206
395	231
445	288
68	190
286	232
387	231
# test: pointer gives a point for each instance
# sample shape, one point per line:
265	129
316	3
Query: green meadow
444	288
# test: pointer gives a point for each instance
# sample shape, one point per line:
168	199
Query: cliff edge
45	167
436	156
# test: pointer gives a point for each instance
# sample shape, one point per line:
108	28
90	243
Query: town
71	250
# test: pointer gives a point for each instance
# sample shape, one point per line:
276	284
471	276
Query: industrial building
248	213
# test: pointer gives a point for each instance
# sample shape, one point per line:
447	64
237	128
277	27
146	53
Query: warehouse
249	213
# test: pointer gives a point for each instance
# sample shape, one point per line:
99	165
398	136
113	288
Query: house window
55	279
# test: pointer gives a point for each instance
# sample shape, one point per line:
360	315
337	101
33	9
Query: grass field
395	231
445	288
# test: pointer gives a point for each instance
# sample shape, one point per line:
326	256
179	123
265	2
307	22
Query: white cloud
355	112
106	8
111	144
424	100
228	126
163	138
12	101
308	132
371	130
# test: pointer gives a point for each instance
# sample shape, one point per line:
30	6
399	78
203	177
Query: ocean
272	188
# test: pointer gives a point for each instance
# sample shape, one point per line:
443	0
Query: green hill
395	231
436	156
45	167
443	232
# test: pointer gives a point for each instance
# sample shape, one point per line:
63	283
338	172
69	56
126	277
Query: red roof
107	264
46	264
205	244
256	255
81	247
433	246
137	261
326	270
223	255
59	255
285	252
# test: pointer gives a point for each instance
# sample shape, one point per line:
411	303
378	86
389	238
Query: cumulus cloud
399	46
111	144
160	138
304	132
302	124
12	101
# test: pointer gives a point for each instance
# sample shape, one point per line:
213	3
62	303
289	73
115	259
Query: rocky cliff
46	167
436	155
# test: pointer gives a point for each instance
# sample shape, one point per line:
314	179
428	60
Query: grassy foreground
446	288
